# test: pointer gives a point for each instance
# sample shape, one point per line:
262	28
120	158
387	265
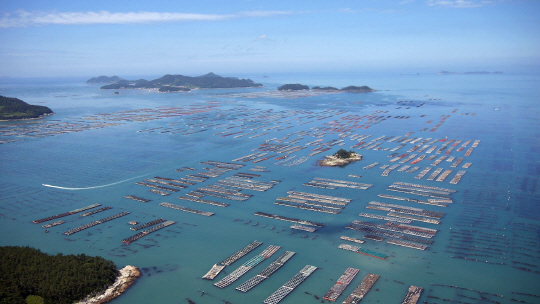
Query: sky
121	37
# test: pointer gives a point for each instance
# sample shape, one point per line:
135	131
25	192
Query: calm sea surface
98	145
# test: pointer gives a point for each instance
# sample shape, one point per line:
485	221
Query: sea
99	147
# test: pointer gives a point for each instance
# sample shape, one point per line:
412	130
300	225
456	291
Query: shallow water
494	216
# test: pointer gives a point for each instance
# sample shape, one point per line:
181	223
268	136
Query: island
103	79
341	158
181	83
300	87
28	275
355	89
293	87
317	88
14	109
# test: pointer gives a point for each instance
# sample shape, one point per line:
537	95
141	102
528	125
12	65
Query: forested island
175	83
28	275
350	89
293	87
104	79
14	108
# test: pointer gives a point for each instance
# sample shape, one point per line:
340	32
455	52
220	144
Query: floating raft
94	223
303	228
363	251
53	224
240	271
350	239
360	292
288	287
50	218
210	275
288	219
146	232
96	211
413	295
186	209
136	198
342	283
145	225
267	272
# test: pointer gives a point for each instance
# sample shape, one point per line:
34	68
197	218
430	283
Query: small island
293	87
328	89
181	83
103	80
15	109
341	158
28	275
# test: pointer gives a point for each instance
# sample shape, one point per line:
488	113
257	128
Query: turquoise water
494	217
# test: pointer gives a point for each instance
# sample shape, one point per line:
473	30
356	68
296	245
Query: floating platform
136	198
288	287
267	272
288	219
360	292
94	223
342	283
50	218
240	271
144	233
363	251
413	295
350	239
216	269
186	209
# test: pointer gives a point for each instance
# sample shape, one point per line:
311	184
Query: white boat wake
95	187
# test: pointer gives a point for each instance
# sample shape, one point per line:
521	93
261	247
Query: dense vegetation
25	272
104	79
343	154
356	89
325	88
14	108
208	81
293	87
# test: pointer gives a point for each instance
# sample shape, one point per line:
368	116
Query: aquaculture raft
146	232
288	287
267	272
186	209
94	223
360	292
240	271
412	295
50	218
212	273
341	284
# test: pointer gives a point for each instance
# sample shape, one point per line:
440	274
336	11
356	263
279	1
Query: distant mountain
104	79
14	108
184	83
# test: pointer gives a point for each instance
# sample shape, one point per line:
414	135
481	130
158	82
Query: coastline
33	118
128	276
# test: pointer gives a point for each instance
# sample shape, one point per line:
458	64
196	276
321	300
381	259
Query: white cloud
25	19
459	3
262	36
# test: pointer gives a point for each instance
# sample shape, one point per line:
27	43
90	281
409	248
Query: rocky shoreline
333	161
127	277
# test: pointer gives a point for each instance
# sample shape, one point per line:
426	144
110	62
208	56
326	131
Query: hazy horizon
63	38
